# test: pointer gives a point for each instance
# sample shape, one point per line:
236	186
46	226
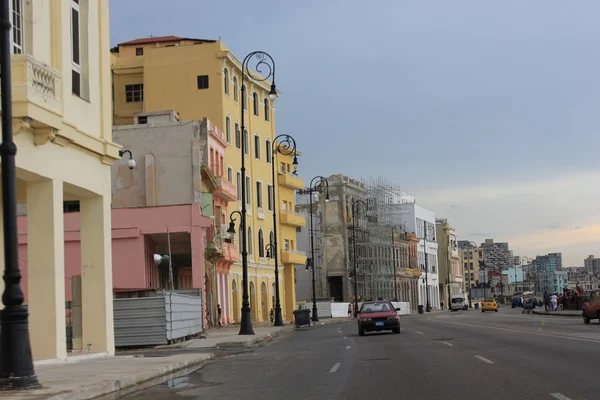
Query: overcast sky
486	111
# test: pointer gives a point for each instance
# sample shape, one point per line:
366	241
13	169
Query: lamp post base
428	308
246	322
16	362
315	314
278	317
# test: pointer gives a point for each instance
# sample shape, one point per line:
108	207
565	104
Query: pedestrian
219	315
208	320
349	309
554	299
546	300
271	315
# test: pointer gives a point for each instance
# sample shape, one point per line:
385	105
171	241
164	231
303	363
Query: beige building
470	255
61	100
451	275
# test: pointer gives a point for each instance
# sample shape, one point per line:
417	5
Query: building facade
202	78
61	91
470	255
450	267
496	256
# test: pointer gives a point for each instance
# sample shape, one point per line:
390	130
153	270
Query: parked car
489	304
517	302
591	308
378	316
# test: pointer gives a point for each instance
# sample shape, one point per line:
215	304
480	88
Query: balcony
289	256
226	189
36	92
292	218
290	181
229	250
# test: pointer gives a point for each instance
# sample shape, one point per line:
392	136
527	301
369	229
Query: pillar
288	295
198	268
96	275
227	297
46	269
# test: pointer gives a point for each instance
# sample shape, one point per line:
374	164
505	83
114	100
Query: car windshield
376	307
457	300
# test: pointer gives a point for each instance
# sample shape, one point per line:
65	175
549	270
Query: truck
459	302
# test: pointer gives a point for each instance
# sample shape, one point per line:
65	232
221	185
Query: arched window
226	80
255	99
267	110
272	238
235	89
240	240
261	243
249	241
238	139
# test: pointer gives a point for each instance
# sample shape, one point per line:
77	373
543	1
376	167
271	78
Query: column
46	269
228	297
96	275
287	292
198	268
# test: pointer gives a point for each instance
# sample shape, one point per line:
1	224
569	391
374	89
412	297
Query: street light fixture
131	162
426	230
260	59
286	145
358	207
319	185
16	361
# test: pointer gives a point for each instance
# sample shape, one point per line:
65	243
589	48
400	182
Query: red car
378	316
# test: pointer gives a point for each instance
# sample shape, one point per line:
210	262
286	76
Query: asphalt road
443	355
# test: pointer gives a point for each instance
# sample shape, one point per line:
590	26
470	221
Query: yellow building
61	99
202	78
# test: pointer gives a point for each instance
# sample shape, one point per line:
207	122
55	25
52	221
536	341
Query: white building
412	217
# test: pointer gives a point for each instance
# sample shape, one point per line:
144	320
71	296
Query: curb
107	387
255	341
557	315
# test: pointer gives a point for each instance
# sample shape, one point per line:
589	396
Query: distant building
592	265
496	256
552	281
469	258
451	270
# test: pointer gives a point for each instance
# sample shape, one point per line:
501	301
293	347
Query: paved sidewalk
90	379
559	313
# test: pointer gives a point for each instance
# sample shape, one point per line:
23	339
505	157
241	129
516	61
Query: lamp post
449	265
261	59
286	145
395	267
470	273
356	211
426	229
16	362
320	185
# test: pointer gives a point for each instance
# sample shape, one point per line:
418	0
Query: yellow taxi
489	304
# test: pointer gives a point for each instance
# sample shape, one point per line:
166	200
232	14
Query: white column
46	269
227	308
96	275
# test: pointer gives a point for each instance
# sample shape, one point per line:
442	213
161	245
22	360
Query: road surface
442	355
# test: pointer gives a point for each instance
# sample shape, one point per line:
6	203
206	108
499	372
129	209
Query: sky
486	112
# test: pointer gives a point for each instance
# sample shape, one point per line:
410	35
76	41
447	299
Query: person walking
546	300
554	299
219	315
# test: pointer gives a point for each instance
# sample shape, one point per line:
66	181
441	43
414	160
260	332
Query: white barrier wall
340	310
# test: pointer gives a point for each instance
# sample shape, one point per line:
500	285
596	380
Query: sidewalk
559	313
89	379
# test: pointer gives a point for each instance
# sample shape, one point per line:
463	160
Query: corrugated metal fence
146	321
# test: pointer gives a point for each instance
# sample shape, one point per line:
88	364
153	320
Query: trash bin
302	317
421	309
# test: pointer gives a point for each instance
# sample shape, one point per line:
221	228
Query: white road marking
448	344
348	347
335	367
515	331
420	333
559	396
484	359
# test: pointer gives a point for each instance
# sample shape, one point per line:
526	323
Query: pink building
137	234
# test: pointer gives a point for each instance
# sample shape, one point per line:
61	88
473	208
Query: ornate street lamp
261	60
358	207
426	230
16	361
286	145
319	185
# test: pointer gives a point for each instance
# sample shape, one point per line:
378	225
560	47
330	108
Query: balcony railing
297	252
292	218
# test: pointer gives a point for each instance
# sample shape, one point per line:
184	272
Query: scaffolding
376	250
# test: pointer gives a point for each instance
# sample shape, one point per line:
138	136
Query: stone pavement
90	379
559	313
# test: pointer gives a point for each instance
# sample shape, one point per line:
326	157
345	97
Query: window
261	243
270	197
257	147
248	192
228	129
230	174
249	241
202	82
143	120
139	51
134	93
267	110
268	151
226	80
272	238
255	102
282	167
75	48
238	141
286	245
246	143
15	15
239	186
235	89
259	199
